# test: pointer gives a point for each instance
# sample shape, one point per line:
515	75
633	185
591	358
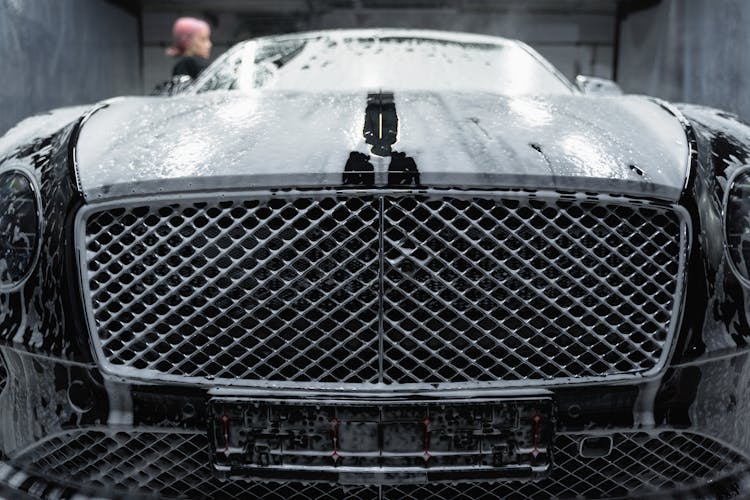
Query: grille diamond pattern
276	290
177	465
458	288
171	465
503	290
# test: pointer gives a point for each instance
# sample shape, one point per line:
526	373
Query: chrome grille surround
348	289
171	463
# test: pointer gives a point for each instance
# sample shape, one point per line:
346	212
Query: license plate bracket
381	441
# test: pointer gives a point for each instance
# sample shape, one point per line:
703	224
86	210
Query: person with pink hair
192	44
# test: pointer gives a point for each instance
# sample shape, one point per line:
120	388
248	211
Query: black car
376	264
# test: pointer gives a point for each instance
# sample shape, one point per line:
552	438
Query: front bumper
66	429
175	463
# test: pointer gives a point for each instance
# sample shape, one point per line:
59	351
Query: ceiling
316	6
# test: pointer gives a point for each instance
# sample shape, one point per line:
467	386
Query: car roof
450	36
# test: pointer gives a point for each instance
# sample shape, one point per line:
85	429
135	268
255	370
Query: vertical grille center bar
381	260
401	288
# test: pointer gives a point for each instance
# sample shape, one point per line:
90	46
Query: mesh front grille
399	288
177	465
503	290
279	290
171	465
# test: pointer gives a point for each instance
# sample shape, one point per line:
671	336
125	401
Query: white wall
689	50
63	52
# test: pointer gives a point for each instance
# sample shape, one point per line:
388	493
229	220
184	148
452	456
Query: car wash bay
61	53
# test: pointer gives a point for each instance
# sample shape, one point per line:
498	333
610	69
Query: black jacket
189	65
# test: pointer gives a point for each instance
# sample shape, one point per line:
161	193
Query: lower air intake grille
397	288
177	465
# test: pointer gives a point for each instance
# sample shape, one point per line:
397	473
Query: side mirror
594	85
177	84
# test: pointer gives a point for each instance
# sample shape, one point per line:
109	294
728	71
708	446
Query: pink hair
185	28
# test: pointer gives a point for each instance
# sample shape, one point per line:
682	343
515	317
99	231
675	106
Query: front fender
718	309
43	315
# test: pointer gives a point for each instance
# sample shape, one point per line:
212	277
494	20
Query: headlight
19	228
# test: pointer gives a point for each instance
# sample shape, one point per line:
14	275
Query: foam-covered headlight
19	228
737	224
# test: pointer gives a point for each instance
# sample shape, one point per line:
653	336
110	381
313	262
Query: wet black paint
50	297
402	171
381	123
358	171
715	301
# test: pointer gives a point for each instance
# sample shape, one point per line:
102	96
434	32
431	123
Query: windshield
340	63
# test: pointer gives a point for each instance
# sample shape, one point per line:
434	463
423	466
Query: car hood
236	140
